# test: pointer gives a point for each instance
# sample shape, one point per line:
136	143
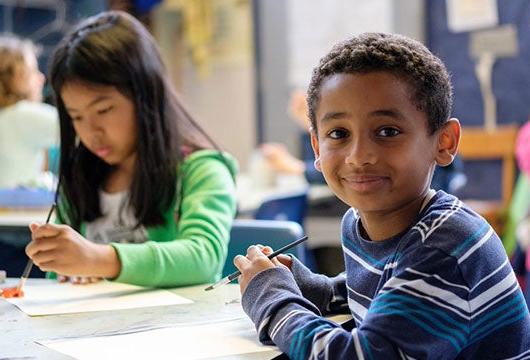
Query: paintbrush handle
29	265
235	274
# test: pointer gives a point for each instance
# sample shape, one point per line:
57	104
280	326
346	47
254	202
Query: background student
27	126
426	277
145	196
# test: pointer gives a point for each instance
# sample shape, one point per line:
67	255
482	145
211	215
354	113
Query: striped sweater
442	289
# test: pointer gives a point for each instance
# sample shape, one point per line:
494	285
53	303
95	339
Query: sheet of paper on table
52	297
191	341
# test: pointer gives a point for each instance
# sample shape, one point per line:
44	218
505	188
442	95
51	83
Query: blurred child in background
27	126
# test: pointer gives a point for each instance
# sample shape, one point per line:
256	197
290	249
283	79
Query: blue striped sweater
442	289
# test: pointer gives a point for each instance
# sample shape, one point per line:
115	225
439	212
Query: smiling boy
425	276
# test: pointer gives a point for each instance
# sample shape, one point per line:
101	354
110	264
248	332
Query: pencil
235	274
29	265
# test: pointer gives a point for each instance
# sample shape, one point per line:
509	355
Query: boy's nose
361	153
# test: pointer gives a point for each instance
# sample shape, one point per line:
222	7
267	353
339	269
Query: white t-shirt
117	223
26	130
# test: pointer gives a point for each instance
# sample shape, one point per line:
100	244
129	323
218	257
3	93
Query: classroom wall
45	22
220	90
294	34
510	82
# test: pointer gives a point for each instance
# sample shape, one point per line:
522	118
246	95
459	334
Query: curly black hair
404	57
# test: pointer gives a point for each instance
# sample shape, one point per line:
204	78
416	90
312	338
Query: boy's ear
316	148
448	140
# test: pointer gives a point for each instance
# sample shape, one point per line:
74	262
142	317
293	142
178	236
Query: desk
249	198
20	331
17	219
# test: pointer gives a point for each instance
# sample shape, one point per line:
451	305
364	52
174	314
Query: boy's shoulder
446	228
448	224
448	232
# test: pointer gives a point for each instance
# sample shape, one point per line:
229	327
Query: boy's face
373	144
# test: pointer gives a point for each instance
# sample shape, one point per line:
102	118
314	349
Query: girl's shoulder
209	158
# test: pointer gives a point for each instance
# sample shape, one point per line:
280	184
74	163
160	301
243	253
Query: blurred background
238	64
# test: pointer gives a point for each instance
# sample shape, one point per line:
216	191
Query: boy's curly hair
406	58
13	52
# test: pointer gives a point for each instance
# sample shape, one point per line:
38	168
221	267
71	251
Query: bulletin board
510	81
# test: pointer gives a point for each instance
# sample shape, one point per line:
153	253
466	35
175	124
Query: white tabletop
21	331
21	218
250	194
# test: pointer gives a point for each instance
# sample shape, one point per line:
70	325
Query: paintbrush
234	275
29	265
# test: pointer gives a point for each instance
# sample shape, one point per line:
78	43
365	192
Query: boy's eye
388	132
337	134
105	110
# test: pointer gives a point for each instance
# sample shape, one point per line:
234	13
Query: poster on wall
469	15
313	29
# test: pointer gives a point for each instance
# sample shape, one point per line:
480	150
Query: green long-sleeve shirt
191	249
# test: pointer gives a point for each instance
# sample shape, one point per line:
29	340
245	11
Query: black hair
114	49
406	58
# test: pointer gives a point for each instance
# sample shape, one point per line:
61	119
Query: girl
27	126
144	198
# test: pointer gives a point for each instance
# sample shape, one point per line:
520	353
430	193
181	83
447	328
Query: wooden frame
477	143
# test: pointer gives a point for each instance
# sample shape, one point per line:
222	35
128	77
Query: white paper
52	297
469	15
180	342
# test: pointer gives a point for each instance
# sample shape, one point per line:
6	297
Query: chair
289	207
246	232
499	144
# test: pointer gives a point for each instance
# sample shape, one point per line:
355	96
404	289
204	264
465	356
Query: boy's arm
327	294
404	319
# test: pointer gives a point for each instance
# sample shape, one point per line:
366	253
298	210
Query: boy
425	276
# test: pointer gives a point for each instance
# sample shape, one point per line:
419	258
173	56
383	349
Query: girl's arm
198	251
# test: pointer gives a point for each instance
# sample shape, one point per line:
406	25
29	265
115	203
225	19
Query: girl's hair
13	55
114	49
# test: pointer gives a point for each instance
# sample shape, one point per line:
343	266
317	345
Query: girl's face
374	145
105	121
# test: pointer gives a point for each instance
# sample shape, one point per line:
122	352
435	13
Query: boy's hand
61	249
255	262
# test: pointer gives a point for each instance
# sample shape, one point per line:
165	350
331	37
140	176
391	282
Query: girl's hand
61	249
78	280
255	262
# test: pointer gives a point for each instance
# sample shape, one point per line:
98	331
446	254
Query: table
19	331
249	198
20	219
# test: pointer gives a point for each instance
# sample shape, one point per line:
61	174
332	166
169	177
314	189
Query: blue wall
34	21
511	82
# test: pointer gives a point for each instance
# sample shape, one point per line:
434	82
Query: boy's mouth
365	183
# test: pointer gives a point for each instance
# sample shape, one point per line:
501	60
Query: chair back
288	207
246	232
477	143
